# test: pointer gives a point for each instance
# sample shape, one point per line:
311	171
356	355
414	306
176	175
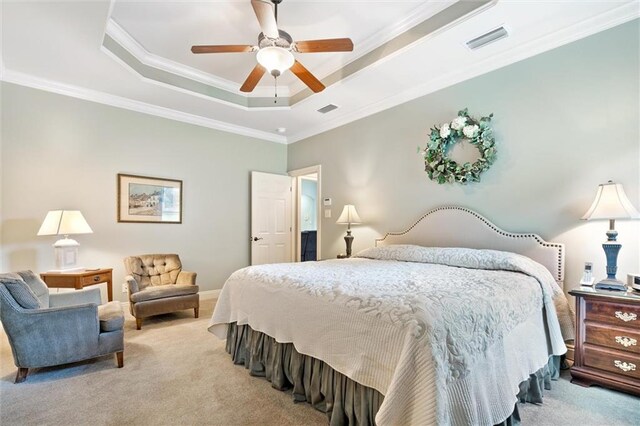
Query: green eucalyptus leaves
442	169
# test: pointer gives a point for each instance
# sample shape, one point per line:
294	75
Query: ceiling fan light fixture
275	60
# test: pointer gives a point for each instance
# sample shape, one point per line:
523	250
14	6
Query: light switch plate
327	213
125	287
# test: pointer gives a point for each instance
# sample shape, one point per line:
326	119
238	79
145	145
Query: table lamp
349	216
65	222
611	203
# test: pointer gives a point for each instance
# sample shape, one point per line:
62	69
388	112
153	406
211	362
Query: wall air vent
327	108
487	38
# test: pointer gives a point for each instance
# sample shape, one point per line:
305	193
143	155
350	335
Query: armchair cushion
186	278
153	269
163	291
38	286
21	293
111	317
75	297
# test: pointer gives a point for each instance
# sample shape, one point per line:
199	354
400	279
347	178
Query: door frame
297	191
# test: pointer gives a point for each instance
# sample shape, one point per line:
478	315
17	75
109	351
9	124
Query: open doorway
307	208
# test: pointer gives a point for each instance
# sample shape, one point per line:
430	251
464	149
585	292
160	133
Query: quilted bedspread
430	328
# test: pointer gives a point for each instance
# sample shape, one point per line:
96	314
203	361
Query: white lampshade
349	216
275	60
611	203
64	222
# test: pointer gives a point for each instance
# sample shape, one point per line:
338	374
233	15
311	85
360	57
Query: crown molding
612	18
73	91
134	72
122	37
131	45
392	52
588	27
418	15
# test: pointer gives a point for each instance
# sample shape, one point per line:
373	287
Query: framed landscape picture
149	200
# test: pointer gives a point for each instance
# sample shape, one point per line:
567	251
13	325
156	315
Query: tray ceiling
135	54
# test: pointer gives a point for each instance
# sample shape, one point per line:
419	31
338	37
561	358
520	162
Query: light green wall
565	121
63	153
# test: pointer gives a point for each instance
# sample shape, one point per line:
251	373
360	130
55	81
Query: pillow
21	293
37	286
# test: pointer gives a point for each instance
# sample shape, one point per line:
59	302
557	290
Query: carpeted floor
177	373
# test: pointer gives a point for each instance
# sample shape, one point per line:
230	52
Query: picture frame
145	199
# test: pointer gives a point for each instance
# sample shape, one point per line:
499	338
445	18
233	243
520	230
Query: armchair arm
132	284
78	297
52	336
186	278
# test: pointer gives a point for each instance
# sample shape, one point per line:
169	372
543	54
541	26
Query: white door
270	218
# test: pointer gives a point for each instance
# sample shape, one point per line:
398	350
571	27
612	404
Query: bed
448	322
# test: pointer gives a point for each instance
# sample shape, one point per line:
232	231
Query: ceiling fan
275	49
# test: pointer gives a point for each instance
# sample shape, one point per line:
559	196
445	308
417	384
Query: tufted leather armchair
158	285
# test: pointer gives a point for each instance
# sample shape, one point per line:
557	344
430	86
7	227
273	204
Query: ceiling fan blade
252	81
227	48
266	17
307	78
328	45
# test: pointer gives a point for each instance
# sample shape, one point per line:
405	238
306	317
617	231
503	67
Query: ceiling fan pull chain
276	3
275	89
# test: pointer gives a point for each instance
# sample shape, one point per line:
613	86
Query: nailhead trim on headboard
537	238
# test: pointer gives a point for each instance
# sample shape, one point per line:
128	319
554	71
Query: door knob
256	239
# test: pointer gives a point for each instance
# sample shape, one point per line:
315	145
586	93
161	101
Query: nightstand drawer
620	363
620	314
97	278
623	339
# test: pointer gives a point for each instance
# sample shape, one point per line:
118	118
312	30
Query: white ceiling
169	30
57	46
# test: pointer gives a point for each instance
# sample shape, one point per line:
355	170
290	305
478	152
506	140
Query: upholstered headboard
453	226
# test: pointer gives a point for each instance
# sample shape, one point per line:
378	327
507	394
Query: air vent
487	38
328	108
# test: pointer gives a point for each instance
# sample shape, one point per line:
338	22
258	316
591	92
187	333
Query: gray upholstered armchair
158	285
52	329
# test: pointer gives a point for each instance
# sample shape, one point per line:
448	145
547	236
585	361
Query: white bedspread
429	328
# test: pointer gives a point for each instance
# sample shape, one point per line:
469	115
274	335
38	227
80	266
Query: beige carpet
177	373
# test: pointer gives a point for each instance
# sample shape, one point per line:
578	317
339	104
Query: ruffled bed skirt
343	400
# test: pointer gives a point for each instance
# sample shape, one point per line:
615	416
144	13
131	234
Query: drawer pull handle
625	316
626	341
624	366
96	278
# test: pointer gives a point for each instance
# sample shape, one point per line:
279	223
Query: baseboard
209	294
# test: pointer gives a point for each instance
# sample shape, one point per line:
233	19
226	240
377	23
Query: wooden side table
79	279
607	350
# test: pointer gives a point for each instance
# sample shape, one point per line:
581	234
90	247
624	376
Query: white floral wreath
443	169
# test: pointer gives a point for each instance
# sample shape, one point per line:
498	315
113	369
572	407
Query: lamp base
609	284
348	239
66	258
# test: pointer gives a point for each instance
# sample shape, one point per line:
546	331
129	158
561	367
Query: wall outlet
125	287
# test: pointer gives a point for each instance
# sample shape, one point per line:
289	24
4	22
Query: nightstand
80	279
607	346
